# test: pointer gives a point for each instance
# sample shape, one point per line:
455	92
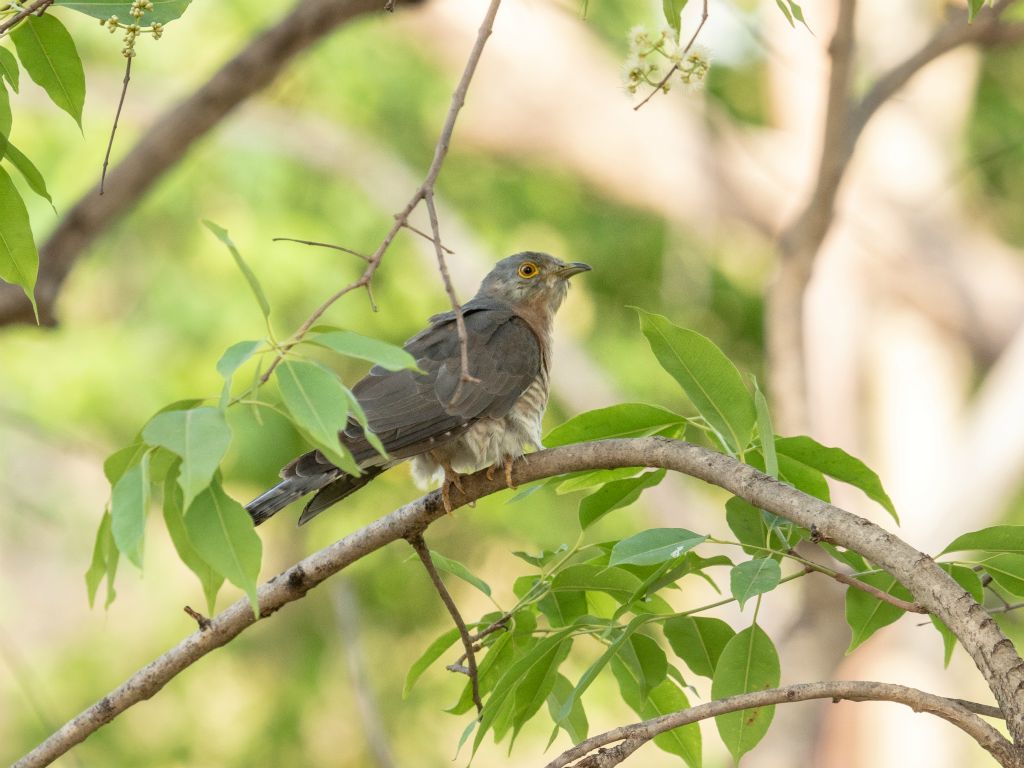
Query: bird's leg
509	461
451	477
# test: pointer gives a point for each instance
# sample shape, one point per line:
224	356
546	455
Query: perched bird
445	422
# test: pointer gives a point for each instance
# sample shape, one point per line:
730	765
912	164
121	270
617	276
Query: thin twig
425	236
417	542
117	116
202	621
341	248
495	626
875	592
39	5
951	710
425	189
675	67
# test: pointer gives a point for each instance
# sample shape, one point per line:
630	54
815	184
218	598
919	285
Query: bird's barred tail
265	506
331	487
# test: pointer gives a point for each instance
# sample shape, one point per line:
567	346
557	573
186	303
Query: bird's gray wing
407	410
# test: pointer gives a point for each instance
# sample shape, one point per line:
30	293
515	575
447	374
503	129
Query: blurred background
911	321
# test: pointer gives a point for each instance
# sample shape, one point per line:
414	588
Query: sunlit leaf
163	10
388	356
748	663
222	533
998	538
200	436
19	259
234	357
429	656
580	481
47	52
623	420
866	614
6	118
174	518
1006	570
318	404
754	577
31	174
129	503
673	10
9	68
685	741
707	376
575	724
455	568
250	277
615	495
766	432
644	657
617	582
104	562
655	545
699	641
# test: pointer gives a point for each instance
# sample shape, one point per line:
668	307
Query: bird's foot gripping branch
627	598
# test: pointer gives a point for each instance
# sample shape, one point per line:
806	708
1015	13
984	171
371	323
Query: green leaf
1006	570
973	6
19	259
624	420
673	10
804	478
707	376
998	538
5	118
355	409
575	724
617	582
174	518
969	580
250	277
647	661
748	663
32	176
837	463
533	688
48	54
129	503
615	495
655	545
766	432
866	614
318	404
455	568
121	461
563	607
685	741
104	562
378	352
234	357
754	577
9	68
163	10
543	558
699	641
429	656
222	533
580	481
200	436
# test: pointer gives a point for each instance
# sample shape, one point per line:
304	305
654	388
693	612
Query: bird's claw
508	471
451	477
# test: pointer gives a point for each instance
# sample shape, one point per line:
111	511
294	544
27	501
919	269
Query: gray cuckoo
426	416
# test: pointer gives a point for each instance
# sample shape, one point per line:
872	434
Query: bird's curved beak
573	269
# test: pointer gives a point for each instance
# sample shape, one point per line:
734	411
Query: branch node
203	622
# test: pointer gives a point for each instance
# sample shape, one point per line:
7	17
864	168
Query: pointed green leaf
104	562
617	582
766	432
748	663
562	606
318	404
866	614
9	68
673	10
837	463
121	461
1006	570
533	688
623	420
455	568
581	481
222	533
234	357
250	277
998	538
429	656
31	174
47	52
616	495
685	741
174	517
699	641
708	377
387	356
163	10
575	724
654	546
19	259
785	11
200	436
5	118
355	409
129	503
973	6
754	577
646	660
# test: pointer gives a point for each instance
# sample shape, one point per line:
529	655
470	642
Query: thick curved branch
931	587
165	142
952	710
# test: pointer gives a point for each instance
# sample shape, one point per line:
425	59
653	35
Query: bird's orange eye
528	269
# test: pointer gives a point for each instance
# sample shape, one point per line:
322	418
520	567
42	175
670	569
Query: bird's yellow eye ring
528	269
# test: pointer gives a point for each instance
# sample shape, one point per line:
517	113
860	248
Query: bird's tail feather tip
263	507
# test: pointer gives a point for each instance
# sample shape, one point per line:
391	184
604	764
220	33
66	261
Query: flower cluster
133	30
656	58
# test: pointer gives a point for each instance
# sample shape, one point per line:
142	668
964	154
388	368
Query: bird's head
531	278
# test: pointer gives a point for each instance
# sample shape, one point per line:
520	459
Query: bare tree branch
37	8
952	710
417	542
933	588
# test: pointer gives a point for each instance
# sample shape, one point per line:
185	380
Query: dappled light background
913	331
